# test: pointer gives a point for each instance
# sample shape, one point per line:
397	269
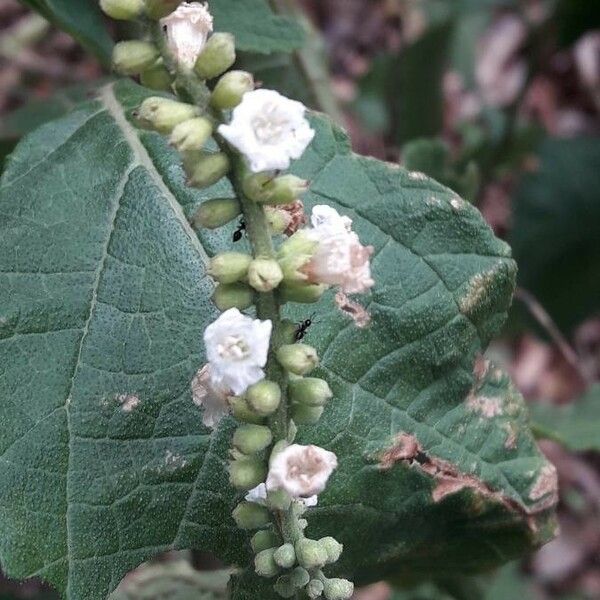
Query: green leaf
576	425
175	580
82	19
255	27
555	231
411	85
104	462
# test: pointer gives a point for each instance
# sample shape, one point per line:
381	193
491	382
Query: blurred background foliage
497	99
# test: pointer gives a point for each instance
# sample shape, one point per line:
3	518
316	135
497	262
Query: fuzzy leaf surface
104	461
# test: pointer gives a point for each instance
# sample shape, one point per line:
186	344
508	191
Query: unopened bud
264	274
233	295
285	556
243	413
284	587
216	57
163	114
229	267
249	515
279	220
122	10
217	212
254	185
264	563
230	89
299	577
191	134
310	391
298	244
306	415
332	547
157	9
338	589
156	77
310	553
209	169
264	397
278	500
251	439
132	57
299	359
247	473
302	293
284	189
263	540
314	588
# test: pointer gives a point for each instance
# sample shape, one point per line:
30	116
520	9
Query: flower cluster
258	370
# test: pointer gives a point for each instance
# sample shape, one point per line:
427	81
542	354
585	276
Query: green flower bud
263	540
231	88
338	589
246	473
292	268
163	114
310	554
156	77
157	9
264	274
332	547
306	415
283	190
233	295
278	220
285	556
284	587
278	500
299	243
229	267
288	331
191	134
314	588
310	390
264	563
122	10
217	212
251	439
248	515
299	577
253	185
209	169
299	359
131	58
243	413
303	293
216	57
264	397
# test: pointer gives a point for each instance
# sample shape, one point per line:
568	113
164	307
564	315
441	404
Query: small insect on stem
237	234
302	327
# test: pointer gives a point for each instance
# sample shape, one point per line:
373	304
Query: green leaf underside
103	459
555	231
80	18
576	424
255	27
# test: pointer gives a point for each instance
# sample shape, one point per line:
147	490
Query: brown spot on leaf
128	402
487	407
546	484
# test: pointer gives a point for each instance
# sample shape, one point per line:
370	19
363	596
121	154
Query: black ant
237	234
302	327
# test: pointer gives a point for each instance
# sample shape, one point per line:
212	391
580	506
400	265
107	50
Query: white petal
258	495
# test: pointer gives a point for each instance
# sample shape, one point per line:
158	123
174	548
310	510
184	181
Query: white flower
269	130
212	399
302	471
258	495
340	259
187	30
237	348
